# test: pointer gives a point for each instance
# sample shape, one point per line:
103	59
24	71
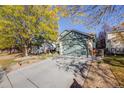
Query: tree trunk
25	50
10	50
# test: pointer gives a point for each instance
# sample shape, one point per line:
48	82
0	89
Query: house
45	48
76	43
115	40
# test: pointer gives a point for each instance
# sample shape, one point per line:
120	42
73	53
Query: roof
83	33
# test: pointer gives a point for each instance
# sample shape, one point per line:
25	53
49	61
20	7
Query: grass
117	66
4	54
7	60
44	56
5	63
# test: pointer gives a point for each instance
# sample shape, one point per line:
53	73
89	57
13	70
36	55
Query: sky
67	23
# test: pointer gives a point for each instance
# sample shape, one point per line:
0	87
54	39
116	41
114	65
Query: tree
98	14
101	40
21	24
6	37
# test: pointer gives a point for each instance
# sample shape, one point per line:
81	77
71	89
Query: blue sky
67	24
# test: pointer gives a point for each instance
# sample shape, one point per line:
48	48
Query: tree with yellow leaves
19	25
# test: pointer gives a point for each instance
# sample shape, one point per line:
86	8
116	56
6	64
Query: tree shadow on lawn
114	62
100	76
117	67
107	76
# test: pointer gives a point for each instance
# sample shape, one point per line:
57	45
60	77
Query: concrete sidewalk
50	73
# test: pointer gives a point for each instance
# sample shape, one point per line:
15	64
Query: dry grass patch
116	64
5	63
119	74
15	61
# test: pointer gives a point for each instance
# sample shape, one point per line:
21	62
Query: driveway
57	72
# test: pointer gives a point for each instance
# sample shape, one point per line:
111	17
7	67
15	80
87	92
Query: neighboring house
76	43
45	48
115	41
40	45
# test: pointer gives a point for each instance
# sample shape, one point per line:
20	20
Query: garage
76	43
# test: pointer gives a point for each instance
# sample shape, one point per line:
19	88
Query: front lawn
7	60
117	66
5	63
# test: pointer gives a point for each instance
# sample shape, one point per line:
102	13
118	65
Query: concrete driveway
58	72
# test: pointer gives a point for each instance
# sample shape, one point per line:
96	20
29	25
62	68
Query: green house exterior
75	43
